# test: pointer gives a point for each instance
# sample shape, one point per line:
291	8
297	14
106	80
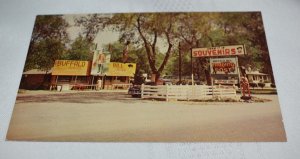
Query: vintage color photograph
148	77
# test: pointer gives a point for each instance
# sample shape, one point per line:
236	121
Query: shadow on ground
80	97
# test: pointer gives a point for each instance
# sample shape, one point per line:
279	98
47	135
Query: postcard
148	77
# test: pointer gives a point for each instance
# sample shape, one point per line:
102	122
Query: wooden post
238	68
93	79
103	81
211	78
180	65
167	93
187	92
212	86
75	79
56	80
142	91
192	66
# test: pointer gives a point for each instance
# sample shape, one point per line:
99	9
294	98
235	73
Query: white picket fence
188	92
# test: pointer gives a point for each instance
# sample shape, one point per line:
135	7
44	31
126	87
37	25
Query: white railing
154	91
188	92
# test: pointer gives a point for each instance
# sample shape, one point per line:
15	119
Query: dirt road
112	116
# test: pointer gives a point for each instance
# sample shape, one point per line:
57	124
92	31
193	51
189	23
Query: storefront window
82	79
64	79
122	79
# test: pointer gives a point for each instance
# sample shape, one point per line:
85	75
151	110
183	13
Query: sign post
211	78
238	69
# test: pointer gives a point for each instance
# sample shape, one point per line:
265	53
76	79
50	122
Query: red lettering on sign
214	52
220	52
227	51
233	51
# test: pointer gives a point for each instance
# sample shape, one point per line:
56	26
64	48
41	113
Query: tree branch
154	44
148	48
168	53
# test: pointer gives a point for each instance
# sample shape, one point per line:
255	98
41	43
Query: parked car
135	90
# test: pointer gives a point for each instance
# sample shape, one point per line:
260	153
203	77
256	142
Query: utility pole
179	50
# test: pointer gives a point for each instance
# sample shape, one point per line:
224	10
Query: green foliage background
50	40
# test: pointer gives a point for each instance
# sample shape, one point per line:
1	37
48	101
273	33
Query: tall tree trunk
151	50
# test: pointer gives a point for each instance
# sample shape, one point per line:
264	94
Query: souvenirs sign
219	51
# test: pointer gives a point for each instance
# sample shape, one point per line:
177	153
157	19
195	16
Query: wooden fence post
167	93
142	91
187	92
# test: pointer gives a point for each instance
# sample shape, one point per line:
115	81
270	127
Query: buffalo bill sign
71	67
219	51
223	66
121	69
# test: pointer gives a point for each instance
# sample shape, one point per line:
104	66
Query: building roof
36	72
255	73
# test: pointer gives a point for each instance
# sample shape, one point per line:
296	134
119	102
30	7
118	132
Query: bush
261	85
273	85
253	85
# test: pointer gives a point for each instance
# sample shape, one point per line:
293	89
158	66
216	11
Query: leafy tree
47	43
137	28
257	37
217	29
193	30
136	55
197	30
148	27
92	24
173	66
80	50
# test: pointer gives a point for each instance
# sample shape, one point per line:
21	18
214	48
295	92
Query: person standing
245	86
99	84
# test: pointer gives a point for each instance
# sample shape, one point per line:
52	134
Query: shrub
273	85
252	84
261	85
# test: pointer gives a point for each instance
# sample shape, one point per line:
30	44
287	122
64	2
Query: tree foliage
218	29
141	29
47	43
146	32
136	55
80	50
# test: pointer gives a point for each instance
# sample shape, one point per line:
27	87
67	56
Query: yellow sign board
71	68
121	69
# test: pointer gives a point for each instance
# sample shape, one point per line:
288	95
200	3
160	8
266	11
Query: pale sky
103	37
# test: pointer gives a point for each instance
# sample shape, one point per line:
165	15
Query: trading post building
80	75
